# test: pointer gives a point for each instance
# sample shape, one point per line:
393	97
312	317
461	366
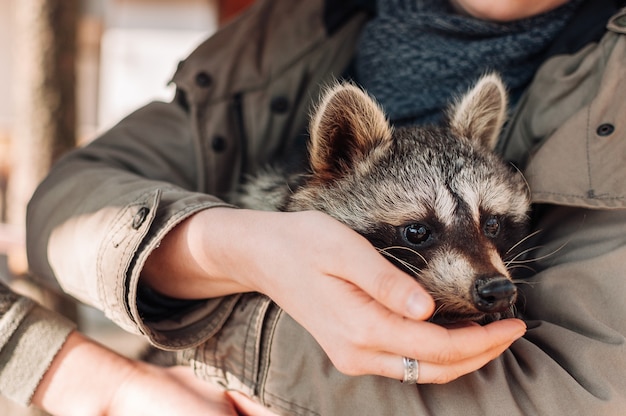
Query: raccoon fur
435	200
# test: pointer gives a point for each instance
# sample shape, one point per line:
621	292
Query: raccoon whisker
524	282
411	267
521	266
515	260
522	240
384	250
523	178
545	256
437	310
520	303
553	252
415	270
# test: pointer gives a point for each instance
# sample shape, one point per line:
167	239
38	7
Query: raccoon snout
494	294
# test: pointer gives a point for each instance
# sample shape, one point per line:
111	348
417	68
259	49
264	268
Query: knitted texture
415	55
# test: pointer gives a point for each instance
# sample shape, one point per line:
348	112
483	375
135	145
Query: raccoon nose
494	294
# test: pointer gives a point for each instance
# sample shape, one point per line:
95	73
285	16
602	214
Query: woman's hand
506	10
364	312
86	378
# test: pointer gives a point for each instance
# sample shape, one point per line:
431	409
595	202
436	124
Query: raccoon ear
481	112
347	127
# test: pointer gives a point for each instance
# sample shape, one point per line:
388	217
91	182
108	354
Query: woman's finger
356	261
439	373
436	344
393	366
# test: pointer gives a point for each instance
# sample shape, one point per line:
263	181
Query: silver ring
411	370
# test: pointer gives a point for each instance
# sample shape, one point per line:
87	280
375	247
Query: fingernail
418	305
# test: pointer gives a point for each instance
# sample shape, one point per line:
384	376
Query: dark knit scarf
417	54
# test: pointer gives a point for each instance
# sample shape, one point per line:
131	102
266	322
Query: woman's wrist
81	362
200	257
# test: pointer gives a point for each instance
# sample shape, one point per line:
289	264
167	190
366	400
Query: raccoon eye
492	226
417	234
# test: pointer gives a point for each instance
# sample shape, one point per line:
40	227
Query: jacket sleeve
103	208
30	338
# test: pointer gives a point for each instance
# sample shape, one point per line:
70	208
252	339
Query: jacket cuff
137	231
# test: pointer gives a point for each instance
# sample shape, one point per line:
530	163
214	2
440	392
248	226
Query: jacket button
218	144
279	105
605	129
140	217
203	79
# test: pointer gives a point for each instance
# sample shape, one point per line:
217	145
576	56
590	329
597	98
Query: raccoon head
435	200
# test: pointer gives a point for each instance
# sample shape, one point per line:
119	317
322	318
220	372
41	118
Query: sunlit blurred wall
6	50
142	43
128	50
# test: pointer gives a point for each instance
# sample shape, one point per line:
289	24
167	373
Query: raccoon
435	200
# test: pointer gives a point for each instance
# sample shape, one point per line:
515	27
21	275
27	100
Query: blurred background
69	69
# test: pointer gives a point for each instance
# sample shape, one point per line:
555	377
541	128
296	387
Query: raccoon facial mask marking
436	201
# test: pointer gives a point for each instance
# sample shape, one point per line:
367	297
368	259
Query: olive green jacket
243	99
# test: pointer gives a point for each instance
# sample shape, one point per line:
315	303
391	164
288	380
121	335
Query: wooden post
45	94
45	101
